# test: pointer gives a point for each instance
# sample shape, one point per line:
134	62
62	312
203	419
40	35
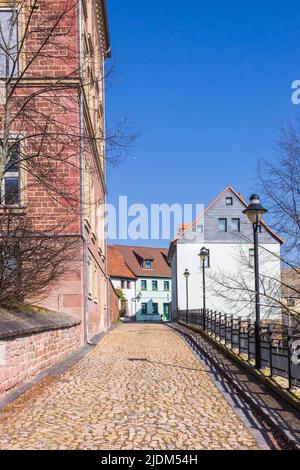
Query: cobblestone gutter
31	342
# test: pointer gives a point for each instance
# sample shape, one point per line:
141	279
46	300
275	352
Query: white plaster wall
225	260
174	281
129	294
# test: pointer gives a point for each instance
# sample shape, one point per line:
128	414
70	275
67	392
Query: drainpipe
82	194
105	197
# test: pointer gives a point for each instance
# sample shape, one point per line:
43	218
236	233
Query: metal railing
280	345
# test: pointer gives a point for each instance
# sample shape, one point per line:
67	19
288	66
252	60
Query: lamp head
186	274
255	211
203	254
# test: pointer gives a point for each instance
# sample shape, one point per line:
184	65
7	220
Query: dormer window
148	264
229	201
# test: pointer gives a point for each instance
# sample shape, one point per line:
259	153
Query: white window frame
16	174
9	8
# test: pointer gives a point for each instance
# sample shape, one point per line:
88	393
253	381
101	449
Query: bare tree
237	289
32	262
280	181
44	82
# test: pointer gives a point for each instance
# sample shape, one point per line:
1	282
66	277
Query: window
236	225
90	278
166	285
251	257
155	309
222	225
10	187
148	264
154	285
123	284
199	228
95	284
8	41
10	265
229	201
144	285
291	303
144	309
128	285
259	228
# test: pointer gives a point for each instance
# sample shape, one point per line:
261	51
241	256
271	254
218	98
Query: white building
228	235
124	279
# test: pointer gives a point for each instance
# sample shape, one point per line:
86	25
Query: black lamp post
204	253
187	275
255	213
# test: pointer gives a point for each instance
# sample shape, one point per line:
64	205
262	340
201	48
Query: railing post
231	332
215	323
225	329
249	336
239	326
260	331
271	338
290	343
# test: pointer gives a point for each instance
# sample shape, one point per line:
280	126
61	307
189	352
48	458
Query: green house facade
154	299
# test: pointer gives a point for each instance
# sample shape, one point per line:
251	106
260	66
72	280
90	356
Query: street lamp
187	275
204	253
255	212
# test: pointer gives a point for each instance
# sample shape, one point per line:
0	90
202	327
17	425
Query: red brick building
58	60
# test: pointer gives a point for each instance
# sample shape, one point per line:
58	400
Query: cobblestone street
140	388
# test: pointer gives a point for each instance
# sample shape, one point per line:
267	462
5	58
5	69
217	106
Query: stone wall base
24	357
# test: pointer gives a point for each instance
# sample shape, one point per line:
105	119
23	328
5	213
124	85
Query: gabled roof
134	255
241	199
117	268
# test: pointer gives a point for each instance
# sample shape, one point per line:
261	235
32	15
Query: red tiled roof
116	264
135	255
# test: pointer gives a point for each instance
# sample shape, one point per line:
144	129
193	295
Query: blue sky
208	85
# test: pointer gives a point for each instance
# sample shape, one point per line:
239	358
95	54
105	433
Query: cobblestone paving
140	388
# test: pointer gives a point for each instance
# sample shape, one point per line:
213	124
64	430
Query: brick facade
73	106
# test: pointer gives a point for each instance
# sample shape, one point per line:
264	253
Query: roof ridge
141	247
